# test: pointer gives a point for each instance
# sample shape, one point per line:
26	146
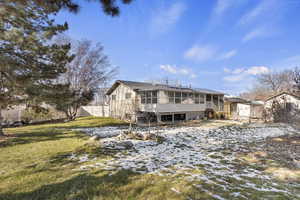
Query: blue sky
216	44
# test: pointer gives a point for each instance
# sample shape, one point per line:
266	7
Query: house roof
232	99
144	86
236	100
281	93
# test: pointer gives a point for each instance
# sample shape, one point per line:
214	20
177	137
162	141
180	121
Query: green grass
34	165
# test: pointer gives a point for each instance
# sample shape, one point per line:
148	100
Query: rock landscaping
210	155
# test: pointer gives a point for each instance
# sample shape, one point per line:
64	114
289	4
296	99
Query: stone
126	144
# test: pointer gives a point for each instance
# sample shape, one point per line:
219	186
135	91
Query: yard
211	160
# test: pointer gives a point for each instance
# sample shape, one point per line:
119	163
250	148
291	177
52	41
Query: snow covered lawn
213	160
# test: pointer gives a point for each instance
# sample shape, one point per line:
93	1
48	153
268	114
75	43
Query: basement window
179	117
166	118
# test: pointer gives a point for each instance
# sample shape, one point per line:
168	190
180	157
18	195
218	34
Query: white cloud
165	18
222	6
258	32
256	70
169	69
200	53
265	7
240	74
177	70
228	55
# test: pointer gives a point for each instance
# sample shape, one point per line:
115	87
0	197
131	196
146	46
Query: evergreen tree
29	63
110	7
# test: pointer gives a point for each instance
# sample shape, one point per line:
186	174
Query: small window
143	97
154	100
208	97
179	117
148	100
178	97
184	96
171	97
128	95
154	94
166	118
154	97
196	99
201	98
216	100
221	100
113	97
148	94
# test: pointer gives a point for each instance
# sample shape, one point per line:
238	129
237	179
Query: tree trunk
71	113
1	120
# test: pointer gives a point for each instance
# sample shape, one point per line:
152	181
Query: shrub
31	115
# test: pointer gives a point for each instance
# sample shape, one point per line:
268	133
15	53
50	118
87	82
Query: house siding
281	98
121	107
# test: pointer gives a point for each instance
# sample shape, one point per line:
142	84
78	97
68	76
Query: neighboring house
289	100
283	107
237	108
138	100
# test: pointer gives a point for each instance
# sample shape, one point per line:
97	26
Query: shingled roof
284	92
144	86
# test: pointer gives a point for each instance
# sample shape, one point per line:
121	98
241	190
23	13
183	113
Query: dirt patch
283	150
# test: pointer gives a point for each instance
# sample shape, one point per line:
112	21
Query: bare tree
257	92
277	81
296	78
89	71
271	84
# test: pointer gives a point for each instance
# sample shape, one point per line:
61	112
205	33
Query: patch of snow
103	132
80	159
187	151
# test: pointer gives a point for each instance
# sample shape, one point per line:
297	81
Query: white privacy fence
97	111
